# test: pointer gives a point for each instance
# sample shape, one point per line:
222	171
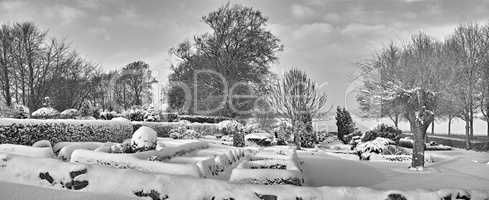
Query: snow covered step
266	176
169	152
41	152
66	148
207	165
129	161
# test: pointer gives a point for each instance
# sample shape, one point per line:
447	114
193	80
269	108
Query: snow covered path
459	172
14	191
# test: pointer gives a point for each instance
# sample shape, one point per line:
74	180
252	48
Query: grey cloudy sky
323	37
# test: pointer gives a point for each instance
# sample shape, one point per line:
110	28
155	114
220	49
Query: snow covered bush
228	127
69	114
135	114
45	113
144	139
384	131
28	131
20	111
378	145
352	138
308	140
184	131
151	115
261	139
107	115
283	132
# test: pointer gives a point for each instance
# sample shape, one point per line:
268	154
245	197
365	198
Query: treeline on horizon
34	66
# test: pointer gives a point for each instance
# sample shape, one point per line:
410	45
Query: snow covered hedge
163	128
28	131
60	175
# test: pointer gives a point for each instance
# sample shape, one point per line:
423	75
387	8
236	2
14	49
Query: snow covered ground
451	169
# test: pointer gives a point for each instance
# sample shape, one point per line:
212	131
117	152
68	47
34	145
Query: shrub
69	114
28	131
184	131
238	138
136	115
344	123
352	137
45	113
107	115
168	117
20	112
384	131
229	127
283	132
377	145
151	115
308	140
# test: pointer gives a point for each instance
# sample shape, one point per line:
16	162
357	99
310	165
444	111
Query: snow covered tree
412	82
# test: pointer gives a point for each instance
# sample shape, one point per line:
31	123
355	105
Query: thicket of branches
34	66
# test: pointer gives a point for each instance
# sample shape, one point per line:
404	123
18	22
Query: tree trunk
449	124
433	127
487	127
471	123
467	134
419	145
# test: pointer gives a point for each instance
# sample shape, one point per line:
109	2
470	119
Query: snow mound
68	148
129	161
45	113
41	152
69	113
121	119
144	139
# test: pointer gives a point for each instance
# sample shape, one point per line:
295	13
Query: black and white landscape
243	99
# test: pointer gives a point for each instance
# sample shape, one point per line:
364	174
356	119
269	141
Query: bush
107	115
344	123
184	131
283	132
352	137
135	114
384	131
28	131
20	112
308	140
151	115
69	114
45	113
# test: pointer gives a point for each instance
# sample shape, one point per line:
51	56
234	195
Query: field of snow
450	169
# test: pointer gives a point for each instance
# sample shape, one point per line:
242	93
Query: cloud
311	31
301	11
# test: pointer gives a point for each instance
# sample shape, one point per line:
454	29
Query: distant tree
6	41
367	97
239	48
138	78
344	123
298	98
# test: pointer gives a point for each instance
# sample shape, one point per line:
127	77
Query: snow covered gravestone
144	139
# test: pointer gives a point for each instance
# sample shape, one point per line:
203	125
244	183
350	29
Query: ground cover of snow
449	169
132	183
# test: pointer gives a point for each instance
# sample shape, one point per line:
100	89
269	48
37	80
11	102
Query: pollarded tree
297	97
413	83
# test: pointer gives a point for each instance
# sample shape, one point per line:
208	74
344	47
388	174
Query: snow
127	182
45	112
129	161
121	119
68	147
144	139
377	145
259	136
42	152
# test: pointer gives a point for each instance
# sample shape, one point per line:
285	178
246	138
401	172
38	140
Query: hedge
203	119
29	131
163	128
